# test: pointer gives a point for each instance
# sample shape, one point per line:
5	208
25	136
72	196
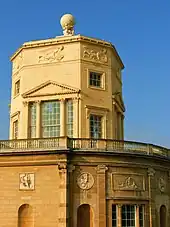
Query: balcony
86	145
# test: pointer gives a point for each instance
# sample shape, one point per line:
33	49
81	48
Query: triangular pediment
118	99
50	88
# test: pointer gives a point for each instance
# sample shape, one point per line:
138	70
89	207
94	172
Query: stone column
63	215
151	183
76	117
24	125
119	215
101	194
38	119
62	118
137	216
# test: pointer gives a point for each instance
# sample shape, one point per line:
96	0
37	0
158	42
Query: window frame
102	79
17	88
15	132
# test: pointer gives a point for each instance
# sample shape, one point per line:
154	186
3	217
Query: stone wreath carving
85	181
161	184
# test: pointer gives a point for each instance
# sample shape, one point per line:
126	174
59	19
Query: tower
69	85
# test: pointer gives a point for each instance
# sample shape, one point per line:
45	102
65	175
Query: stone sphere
67	20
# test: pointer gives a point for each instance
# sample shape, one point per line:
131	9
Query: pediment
118	99
50	88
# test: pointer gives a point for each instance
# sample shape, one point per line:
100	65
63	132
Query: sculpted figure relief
97	55
129	184
52	56
85	181
162	184
26	181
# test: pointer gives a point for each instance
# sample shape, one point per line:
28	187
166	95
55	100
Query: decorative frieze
52	56
99	55
128	182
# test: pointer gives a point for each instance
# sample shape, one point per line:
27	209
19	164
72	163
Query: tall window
70	118
32	130
17	88
95	79
114	216
51	119
15	129
95	126
128	216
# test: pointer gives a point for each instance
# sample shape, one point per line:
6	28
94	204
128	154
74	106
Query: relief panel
128	182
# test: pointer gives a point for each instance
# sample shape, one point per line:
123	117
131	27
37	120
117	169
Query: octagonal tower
69	85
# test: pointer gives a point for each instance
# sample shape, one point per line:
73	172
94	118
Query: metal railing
84	144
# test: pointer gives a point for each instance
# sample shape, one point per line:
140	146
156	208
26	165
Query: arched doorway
25	216
84	216
162	214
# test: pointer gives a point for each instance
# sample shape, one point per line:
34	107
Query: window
114	216
129	217
17	88
141	216
95	126
70	118
95	79
51	119
15	129
32	129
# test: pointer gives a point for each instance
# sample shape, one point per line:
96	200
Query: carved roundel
162	184
85	181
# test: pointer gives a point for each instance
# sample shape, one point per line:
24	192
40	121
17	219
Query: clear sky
140	31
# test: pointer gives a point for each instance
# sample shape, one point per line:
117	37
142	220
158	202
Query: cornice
64	40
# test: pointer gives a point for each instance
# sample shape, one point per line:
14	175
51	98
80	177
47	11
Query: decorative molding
52	56
17	113
25	103
85	181
26	181
161	184
95	55
71	168
101	168
151	172
62	167
100	110
64	89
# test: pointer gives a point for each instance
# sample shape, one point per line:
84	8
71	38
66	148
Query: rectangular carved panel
128	182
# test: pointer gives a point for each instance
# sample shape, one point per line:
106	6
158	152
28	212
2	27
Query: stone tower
69	85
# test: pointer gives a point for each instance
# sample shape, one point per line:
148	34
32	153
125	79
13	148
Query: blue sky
140	32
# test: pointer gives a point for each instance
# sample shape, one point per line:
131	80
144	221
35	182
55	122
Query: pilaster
119	215
101	194
38	119
63	205
62	117
25	121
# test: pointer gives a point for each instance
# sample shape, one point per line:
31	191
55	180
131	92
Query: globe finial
67	22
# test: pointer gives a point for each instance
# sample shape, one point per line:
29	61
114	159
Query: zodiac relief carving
85	181
161	184
96	55
17	62
52	56
26	181
128	184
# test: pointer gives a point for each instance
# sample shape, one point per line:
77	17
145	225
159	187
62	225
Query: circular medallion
162	184
85	181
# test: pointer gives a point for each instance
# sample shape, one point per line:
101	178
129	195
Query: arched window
162	216
25	216
84	216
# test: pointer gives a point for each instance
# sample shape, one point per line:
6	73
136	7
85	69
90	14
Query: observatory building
66	163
